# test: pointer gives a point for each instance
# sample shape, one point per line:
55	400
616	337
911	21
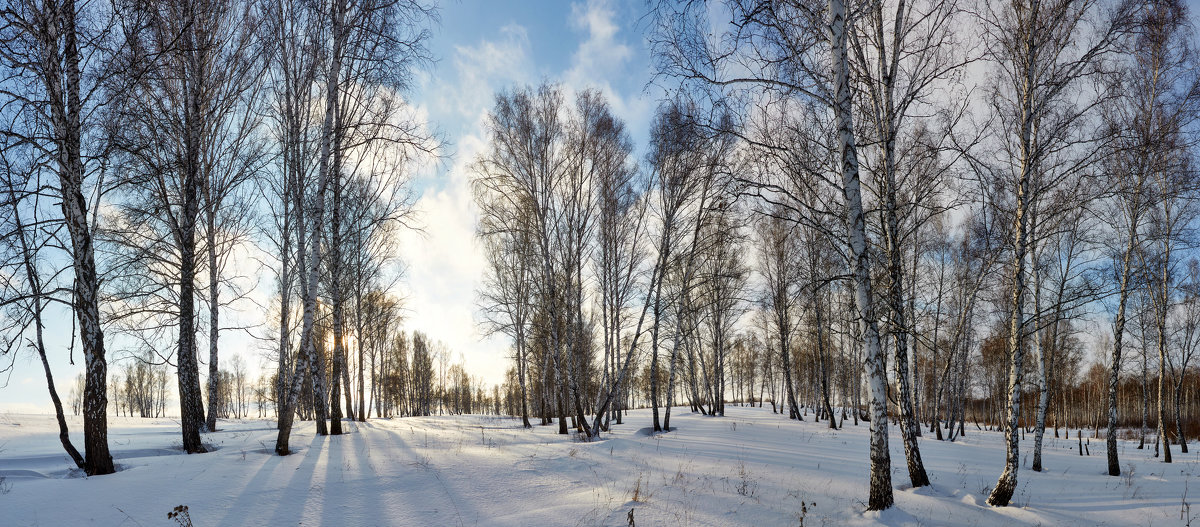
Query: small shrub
486	441
1185	507
746	487
679	478
985	487
640	495
180	515
422	461
800	516
962	474
1023	497
1127	475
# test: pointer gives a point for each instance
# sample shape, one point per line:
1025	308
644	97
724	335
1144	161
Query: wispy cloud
445	262
605	53
602	54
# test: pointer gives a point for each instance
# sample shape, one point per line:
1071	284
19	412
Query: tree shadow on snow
649	431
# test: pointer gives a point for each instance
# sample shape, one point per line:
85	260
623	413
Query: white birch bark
875	363
308	362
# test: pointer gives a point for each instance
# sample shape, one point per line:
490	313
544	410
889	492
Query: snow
751	467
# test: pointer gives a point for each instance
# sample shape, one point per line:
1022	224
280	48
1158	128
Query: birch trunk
308	362
190	402
213	318
1114	464
60	71
1164	299
1007	484
823	362
362	404
1047	366
336	298
875	363
886	118
663	251
1039	353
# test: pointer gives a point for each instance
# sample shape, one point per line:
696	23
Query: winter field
748	468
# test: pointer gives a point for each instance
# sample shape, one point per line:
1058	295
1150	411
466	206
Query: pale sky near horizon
482	47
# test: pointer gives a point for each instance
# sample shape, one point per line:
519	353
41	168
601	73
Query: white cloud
602	55
445	263
480	70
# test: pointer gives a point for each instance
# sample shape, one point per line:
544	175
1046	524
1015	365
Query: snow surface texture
749	468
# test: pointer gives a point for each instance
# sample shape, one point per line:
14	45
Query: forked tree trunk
60	71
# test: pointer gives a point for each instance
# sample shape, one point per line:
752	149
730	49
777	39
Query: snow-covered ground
749	468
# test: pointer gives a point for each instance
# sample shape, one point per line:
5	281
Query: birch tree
48	67
191	68
291	74
778	256
232	161
881	490
521	175
29	284
1042	61
373	49
307	362
618	257
1165	69
506	298
1161	99
798	54
900	53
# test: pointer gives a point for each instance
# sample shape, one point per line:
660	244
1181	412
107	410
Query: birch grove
942	216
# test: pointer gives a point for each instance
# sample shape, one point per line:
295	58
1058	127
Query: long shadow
58	464
432	487
259	487
291	511
1092	506
354	487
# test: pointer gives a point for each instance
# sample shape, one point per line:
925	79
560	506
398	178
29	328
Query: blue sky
481	47
484	47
